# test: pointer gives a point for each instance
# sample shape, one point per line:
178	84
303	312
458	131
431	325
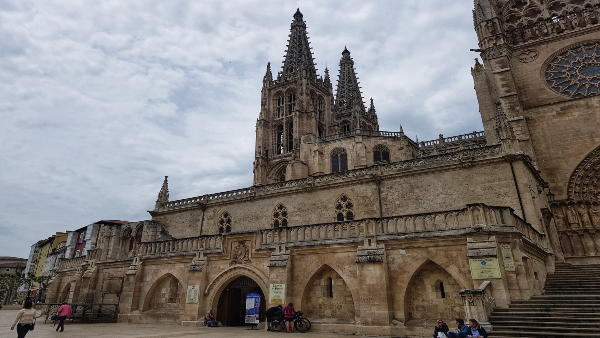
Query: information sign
277	293
252	308
485	268
192	294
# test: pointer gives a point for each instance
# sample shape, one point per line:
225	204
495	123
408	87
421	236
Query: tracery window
320	108
339	160
280	216
381	153
279	147
344	209
279	109
291	102
575	72
290	139
225	223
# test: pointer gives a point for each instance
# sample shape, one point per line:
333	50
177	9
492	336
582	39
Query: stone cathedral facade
370	231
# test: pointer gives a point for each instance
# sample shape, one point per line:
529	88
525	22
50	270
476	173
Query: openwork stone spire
163	195
298	55
348	97
268	75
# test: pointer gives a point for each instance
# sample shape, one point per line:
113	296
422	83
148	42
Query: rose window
576	72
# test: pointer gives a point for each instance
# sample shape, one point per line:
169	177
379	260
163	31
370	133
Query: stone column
130	296
374	303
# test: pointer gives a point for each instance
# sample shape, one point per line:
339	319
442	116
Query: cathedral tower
296	104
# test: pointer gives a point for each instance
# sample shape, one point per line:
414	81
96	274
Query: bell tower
296	106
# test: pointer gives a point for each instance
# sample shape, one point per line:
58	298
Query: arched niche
166	294
584	184
432	293
327	298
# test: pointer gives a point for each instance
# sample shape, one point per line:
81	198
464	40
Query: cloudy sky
101	99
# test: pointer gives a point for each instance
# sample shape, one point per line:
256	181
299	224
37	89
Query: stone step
549	309
564	292
563	297
573	318
541	305
517	322
531	327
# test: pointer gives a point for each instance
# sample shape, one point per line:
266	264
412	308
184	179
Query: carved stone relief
527	56
584	183
240	254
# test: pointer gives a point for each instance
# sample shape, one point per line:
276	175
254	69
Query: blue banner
252	308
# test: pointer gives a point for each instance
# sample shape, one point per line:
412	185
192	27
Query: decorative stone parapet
182	247
72	263
279	258
479	303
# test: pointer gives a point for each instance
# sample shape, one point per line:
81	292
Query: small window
7	269
330	287
291	137
225	223
280	106
442	291
345	128
279	147
280	216
291	102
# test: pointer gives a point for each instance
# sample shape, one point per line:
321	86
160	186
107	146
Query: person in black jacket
441	327
476	330
273	313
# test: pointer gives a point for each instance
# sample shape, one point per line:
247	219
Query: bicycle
301	324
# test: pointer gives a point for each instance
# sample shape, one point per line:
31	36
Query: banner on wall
252	308
276	293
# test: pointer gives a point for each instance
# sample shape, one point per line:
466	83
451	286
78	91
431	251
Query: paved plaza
118	330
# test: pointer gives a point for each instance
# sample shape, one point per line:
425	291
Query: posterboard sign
252	308
192	294
277	293
485	268
507	257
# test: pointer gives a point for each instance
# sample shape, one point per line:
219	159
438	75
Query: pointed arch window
279	147
345	127
321	108
344	209
280	216
280	105
290	139
291	102
225	223
339	160
381	153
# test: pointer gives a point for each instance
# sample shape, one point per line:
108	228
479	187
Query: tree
9	284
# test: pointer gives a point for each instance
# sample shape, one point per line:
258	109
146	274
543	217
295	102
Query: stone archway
432	294
226	278
327	298
584	183
231	303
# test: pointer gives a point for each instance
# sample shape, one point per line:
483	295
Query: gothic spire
163	195
268	75
372	108
348	96
327	81
298	55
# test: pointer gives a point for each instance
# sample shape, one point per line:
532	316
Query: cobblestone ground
119	330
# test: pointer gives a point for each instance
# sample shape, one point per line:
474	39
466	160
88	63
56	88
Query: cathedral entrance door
231	309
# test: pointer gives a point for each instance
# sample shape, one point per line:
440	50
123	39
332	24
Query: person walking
441	327
64	312
26	319
476	330
272	313
288	314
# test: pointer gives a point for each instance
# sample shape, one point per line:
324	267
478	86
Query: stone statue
559	218
583	215
572	217
241	254
595	213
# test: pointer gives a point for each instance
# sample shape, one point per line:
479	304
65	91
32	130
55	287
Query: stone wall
328	298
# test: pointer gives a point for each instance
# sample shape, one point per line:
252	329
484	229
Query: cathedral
369	231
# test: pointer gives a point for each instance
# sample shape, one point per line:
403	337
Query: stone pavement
124	330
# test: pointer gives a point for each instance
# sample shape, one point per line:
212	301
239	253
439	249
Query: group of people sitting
473	330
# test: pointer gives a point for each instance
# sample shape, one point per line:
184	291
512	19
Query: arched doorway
231	309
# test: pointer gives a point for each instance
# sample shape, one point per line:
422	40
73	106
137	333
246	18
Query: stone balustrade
476	135
65	264
184	246
407	226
